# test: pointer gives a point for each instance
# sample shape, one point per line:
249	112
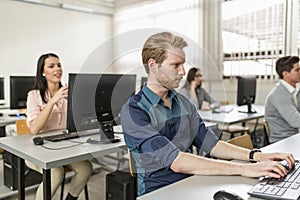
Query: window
253	36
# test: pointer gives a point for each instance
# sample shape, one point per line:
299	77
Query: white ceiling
101	7
105	7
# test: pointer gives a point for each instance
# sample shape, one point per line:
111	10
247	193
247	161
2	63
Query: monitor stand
249	108
106	134
104	140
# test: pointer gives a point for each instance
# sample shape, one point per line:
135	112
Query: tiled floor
96	184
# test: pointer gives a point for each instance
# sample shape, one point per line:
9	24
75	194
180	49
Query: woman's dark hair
40	81
191	76
285	63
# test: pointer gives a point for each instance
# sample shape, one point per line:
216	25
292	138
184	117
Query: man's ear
152	65
285	74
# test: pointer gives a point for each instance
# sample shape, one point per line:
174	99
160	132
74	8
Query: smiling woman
46	110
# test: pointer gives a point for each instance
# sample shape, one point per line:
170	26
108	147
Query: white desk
234	116
211	125
4	121
7	120
204	187
23	147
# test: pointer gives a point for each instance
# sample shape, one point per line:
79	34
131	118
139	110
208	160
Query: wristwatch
251	154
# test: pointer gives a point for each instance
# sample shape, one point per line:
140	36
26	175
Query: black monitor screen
1	88
246	91
97	98
19	87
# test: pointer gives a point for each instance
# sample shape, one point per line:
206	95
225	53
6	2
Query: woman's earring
43	75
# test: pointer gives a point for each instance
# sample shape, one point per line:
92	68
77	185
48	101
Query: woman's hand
193	85
61	93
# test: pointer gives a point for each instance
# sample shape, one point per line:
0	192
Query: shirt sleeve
152	150
33	107
210	99
205	138
186	92
286	109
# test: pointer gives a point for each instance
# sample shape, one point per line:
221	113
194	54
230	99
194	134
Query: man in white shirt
282	104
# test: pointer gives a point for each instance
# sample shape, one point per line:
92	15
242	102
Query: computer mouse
226	195
38	140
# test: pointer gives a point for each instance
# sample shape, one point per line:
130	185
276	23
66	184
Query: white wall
29	30
135	23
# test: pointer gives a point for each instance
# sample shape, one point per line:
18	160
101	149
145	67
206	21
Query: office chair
242	141
132	168
22	128
130	161
234	129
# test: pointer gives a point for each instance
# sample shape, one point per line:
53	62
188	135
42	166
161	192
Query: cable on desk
77	142
65	147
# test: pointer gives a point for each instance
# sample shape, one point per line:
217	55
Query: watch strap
251	155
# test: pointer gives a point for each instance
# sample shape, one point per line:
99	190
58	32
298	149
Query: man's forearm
228	151
193	164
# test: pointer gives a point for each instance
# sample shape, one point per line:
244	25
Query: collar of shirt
153	98
290	88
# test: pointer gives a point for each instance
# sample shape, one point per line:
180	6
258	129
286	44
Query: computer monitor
246	92
143	80
19	87
2	96
95	101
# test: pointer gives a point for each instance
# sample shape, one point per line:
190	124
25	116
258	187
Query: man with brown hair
160	125
283	102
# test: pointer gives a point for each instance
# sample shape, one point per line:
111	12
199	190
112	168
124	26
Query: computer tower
2	131
10	168
120	185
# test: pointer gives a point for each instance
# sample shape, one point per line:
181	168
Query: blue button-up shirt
155	134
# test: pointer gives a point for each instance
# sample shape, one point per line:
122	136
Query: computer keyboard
62	136
222	110
286	188
73	135
67	136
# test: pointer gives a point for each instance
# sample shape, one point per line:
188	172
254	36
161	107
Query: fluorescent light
33	1
77	8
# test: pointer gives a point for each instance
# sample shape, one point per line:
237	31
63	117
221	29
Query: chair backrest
225	102
133	171
266	130
242	141
22	127
131	164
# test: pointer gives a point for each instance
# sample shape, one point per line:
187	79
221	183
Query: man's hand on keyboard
275	157
272	169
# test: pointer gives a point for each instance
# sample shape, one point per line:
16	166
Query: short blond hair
156	47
